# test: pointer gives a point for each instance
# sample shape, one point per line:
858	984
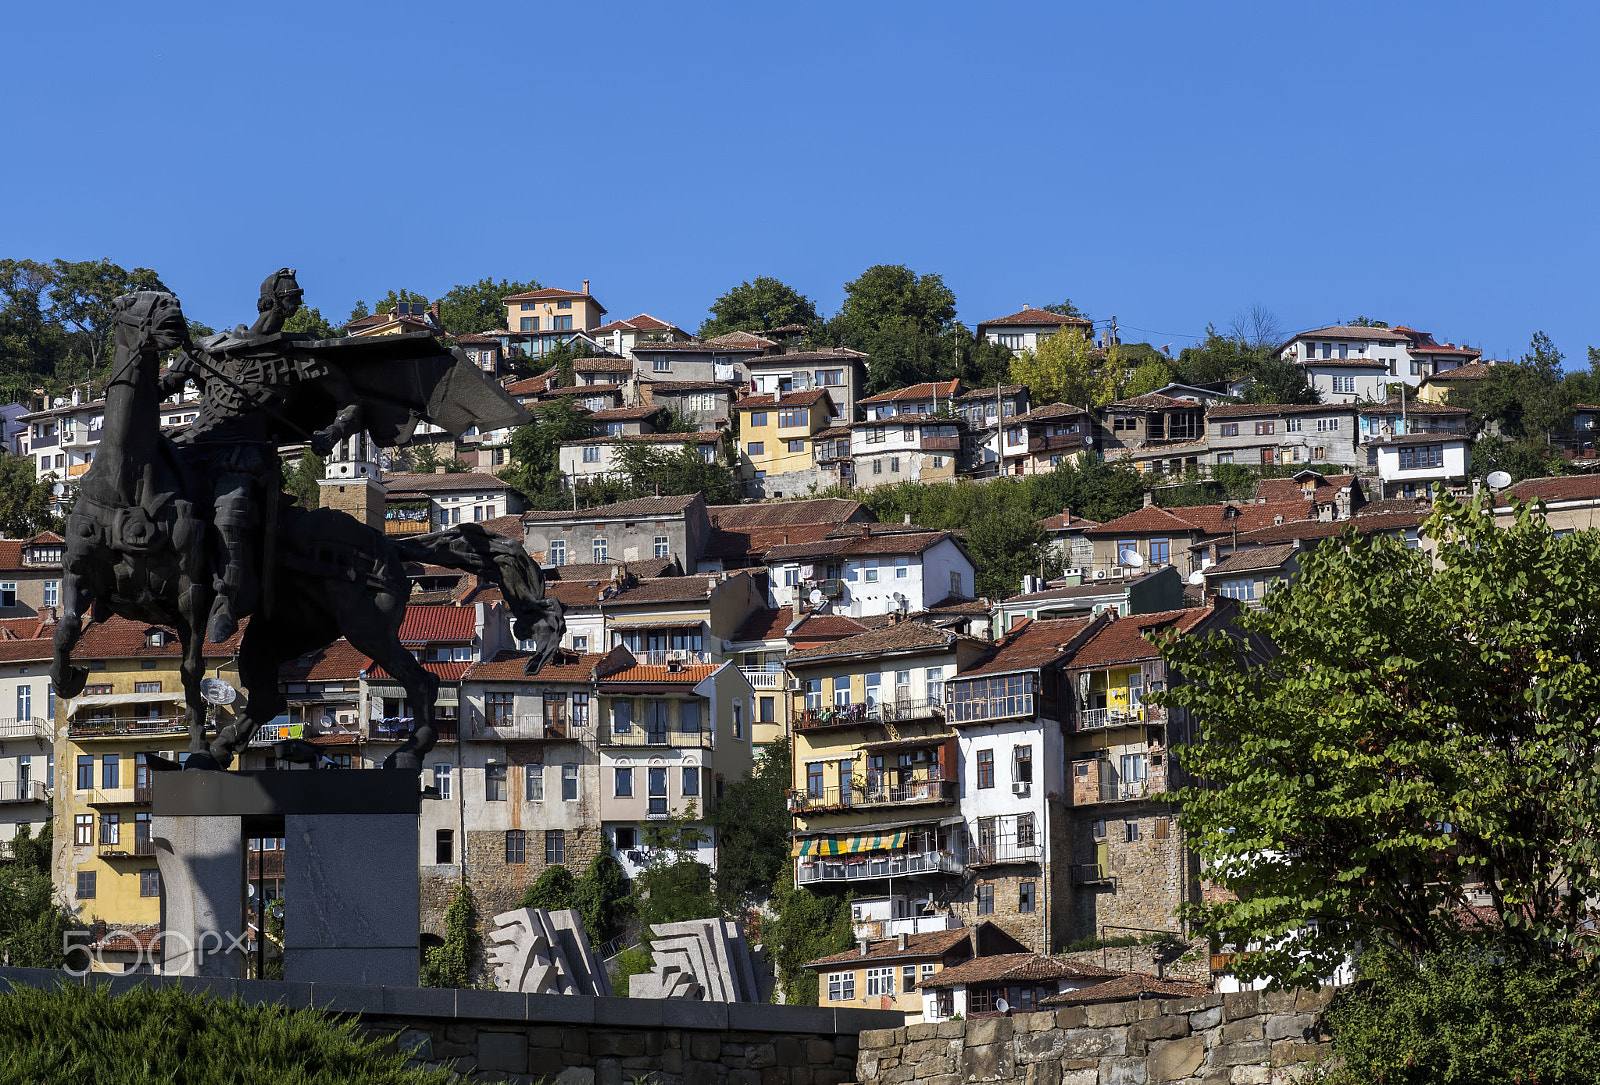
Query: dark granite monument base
350	871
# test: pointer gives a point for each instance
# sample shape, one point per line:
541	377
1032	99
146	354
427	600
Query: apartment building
626	531
761	647
869	569
719	359
27	733
541	316
594	457
104	863
840	371
1040	440
776	430
672	619
1073	596
60	438
1023	330
672	737
454	498
1347	363
30	576
1280	433
741	534
1421	463
708	404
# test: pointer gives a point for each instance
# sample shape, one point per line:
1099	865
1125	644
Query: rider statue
250	384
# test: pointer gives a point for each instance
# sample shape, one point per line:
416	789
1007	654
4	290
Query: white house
873	569
596	456
1346	363
1413	464
1022	330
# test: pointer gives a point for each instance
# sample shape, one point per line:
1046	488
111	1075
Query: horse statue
139	543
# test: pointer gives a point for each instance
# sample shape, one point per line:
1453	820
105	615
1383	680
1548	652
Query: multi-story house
626	421
876	792
1039	441
884	973
601	369
1398	418
672	736
593	457
760	645
1066	535
1161	536
1154	432
741	534
323	690
1437	388
1421	463
548	317
590	397
104	862
60	437
625	337
718	359
27	735
1022	331
839	371
1280	433
627	531
1348	363
776	430
1142	591
708	404
455	498
1129	863
985	408
485	351
830	451
30	576
872	569
670	619
910	448
928	398
406	316
1247	574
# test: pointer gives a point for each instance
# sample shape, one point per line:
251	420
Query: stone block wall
1006	881
1249	1038
1149	876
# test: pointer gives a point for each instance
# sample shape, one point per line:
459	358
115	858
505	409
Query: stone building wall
1006	879
1149	877
1249	1038
1183	961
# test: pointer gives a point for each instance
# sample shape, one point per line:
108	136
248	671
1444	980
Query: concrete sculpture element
192	531
703	960
541	952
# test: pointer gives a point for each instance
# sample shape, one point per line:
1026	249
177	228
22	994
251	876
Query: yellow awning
848	845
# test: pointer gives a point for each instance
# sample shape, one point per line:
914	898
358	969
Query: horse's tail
505	564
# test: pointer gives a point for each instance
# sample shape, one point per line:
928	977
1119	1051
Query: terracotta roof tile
434	483
549	292
790	399
1253	559
1058	522
899	637
1414	406
1562	488
658	674
1354	331
446	672
644	322
530	385
753	542
585	390
1015	967
926	944
638	508
943	389
1128	986
1032	645
1038	316
601	365
119	638
1365	523
1275	410
887	542
27	649
1050	410
816	626
1274	490
508	526
1472	371
1149	518
510	665
989	393
339	660
835	355
817	510
1154	399
425	624
1122	640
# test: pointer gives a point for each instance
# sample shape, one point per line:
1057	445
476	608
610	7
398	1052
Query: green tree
602	896
307	320
554	889
1528	401
81	294
809	926
30	342
24	499
1150	375
450	965
476	307
1063	370
455	465
904	322
425	459
1066	308
752	823
394	297
303	482
674	886
1278	380
32	925
1519	459
535	448
676	421
1003	549
757	306
357	312
984	364
1426	726
1367	322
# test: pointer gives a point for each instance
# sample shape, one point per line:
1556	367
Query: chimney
1149	499
440	470
907	520
1026	307
794	603
586	286
861	944
866	531
902	943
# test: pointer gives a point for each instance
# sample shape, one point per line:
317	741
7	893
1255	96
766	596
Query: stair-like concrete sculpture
541	952
701	960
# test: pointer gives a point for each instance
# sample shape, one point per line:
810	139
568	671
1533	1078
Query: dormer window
156	638
44	555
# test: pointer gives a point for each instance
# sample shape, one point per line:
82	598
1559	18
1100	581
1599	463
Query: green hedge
159	1036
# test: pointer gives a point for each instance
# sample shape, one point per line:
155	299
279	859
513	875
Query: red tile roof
644	322
553	292
530	385
1015	967
1038	316
1205	519
1472	371
816	510
1562	488
1156	400
601	365
899	637
1049	410
26	628
790	399
926	944
891	541
638	508
1128	986
21	650
339	660
119	638
512	665
816	626
1275	490
1149	518
1058	522
1122	640
426	624
1272	410
1253	559
927	390
1032	645
658	674
834	355
434	483
445	672
1355	331
509	526
753	542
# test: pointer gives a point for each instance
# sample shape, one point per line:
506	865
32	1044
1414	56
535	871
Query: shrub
71	1035
553	889
450	965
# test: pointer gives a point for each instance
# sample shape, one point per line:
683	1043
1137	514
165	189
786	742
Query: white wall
1456	460
938	562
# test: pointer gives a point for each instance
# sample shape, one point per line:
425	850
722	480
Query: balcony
521	729
759	679
1003	851
837	800
1055	441
126	849
23	791
119	796
901	710
639	736
993	708
834	716
941	444
1090	719
687	656
27	727
76	469
126	728
1091	874
865	868
1107	786
379	731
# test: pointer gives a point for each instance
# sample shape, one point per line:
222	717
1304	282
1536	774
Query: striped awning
848	845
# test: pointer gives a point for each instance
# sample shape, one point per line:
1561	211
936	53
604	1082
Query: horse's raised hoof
69	682
404	760
202	761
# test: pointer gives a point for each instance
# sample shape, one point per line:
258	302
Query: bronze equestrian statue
194	531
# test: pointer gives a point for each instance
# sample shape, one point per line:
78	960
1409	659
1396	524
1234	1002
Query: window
841	985
792	418
1022	765
149	883
627	838
660	364
1263	428
1160	551
768	709
83	829
1229	429
591	453
52	593
621	717
797	446
877	467
691	781
558	553
444	846
24	702
622	786
533	782
880	981
111	829
581	644
494	783
1130	832
841	690
908	979
1421	456
561	323
985	768
111	772
894	465
869	571
657	783
756	448
1026	837
663	546
1025	897
528	324
497	709
1344	384
758	419
85	772
516	846
1327	424
567	304
986	900
441	780
85	884
738	719
1163	828
599	549
902	568
1292	425
613	429
569	783
814	778
1224	457
8	594
1244	589
555	845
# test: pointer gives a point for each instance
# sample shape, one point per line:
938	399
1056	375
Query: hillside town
981	774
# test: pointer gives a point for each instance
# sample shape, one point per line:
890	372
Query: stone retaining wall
565	1039
1249	1038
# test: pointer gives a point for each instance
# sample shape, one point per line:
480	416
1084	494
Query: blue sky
1171	164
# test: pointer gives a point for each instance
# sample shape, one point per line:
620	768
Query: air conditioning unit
794	683
1117	572
1099	574
1021	787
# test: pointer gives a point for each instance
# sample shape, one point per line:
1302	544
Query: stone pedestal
350	870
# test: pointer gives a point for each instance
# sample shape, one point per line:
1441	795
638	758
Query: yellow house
775	431
1437	388
553	310
883	974
104	863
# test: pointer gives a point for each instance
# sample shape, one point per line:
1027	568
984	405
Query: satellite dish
1498	480
216	691
1197	578
815	597
1130	557
1002	1005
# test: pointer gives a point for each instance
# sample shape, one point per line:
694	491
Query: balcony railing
992	708
447	731
27	727
879	866
105	728
127	847
817	719
928	789
23	791
897	711
1054	441
941	444
687	656
1110	788
909	708
1091	718
640	736
529	728
760	679
1089	874
118	796
1003	852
